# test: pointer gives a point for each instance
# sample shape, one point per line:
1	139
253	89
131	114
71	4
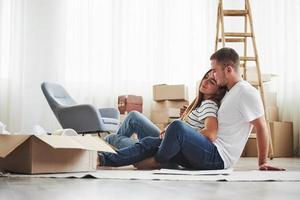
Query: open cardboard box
33	154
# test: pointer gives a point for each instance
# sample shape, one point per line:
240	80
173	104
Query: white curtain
124	47
99	49
278	39
31	51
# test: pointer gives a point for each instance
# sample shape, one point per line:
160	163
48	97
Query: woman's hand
162	134
182	109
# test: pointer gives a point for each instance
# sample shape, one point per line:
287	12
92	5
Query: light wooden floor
47	188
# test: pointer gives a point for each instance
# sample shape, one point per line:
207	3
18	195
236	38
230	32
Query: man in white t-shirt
241	108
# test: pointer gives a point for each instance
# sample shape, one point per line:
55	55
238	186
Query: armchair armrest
82	118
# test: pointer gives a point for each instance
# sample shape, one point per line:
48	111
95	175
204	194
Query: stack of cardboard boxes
281	132
168	99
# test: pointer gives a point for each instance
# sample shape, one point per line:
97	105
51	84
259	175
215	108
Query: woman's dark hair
198	100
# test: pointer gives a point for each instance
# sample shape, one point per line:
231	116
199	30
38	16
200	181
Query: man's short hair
227	57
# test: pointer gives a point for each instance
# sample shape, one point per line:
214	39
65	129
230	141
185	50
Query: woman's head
208	89
208	86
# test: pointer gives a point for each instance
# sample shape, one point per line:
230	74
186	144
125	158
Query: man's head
225	64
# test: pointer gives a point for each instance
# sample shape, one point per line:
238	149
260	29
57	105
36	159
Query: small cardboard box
34	154
282	140
170	92
127	103
163	105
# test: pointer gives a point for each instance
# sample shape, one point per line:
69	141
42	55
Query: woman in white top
187	142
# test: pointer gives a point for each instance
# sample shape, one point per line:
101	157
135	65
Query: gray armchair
83	118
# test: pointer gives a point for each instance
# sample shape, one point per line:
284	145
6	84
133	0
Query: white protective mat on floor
165	174
193	172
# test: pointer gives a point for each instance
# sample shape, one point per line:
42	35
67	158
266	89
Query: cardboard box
163	105
158	117
163	110
282	139
173	112
163	116
170	92
33	154
243	153
127	103
251	146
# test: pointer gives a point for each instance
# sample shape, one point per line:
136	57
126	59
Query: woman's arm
210	128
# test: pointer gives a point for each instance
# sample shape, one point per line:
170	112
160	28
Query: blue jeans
135	122
182	145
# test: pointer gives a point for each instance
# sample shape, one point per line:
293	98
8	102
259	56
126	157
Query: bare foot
149	163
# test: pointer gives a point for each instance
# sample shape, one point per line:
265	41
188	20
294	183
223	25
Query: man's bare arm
262	143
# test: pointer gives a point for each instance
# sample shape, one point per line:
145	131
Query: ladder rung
243	58
255	83
233	39
252	135
235	12
233	34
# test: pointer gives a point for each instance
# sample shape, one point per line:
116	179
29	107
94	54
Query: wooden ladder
243	38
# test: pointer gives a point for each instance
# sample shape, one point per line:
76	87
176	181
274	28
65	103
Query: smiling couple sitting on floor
211	132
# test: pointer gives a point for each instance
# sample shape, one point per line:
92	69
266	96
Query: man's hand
182	109
263	144
266	167
162	134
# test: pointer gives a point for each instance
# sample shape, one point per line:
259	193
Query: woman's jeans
137	123
182	145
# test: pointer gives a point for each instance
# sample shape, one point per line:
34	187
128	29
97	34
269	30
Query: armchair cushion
110	113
